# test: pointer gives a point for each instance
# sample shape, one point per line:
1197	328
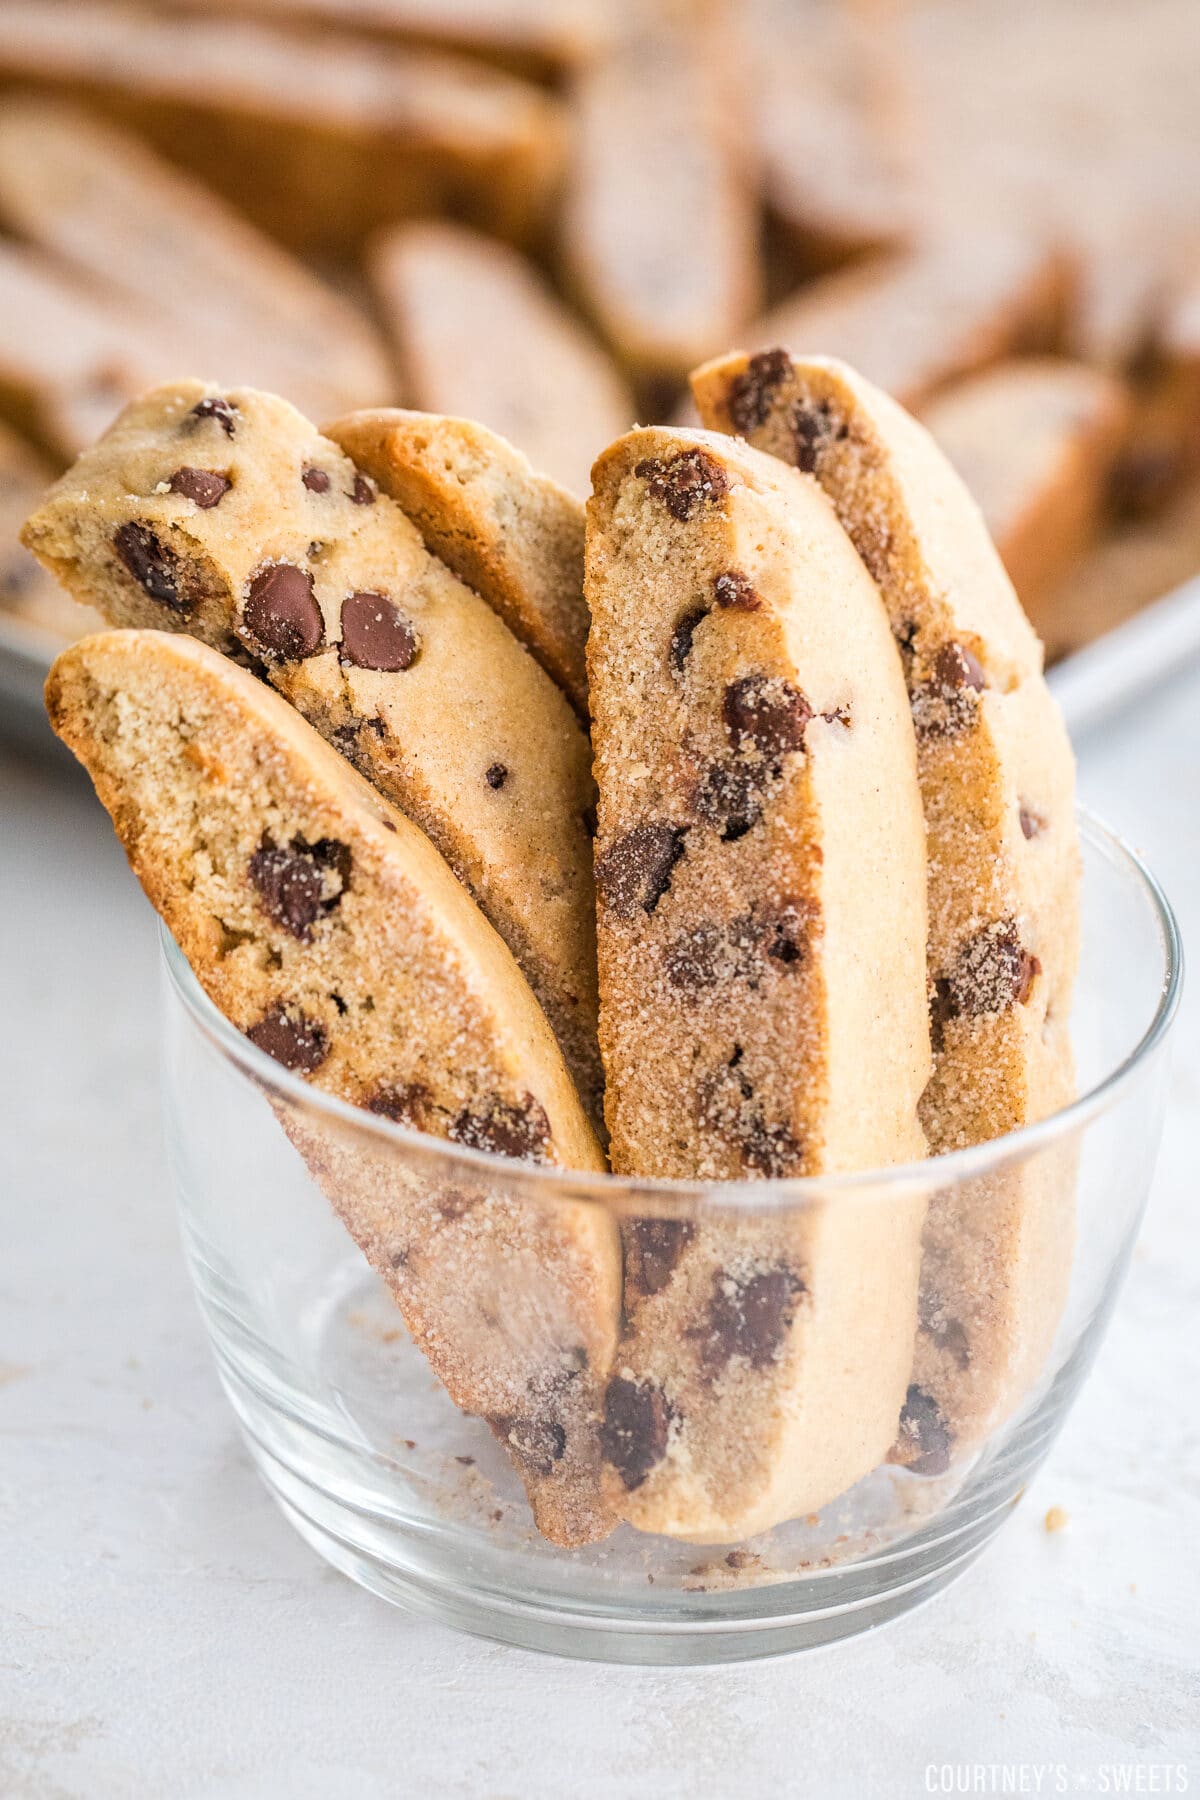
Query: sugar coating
324	925
761	919
997	785
427	694
508	531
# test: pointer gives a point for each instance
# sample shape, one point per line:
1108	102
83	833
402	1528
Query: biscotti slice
480	335
319	140
997	784
761	922
513	535
660	229
226	514
913	321
829	117
27	591
69	358
326	927
96	198
1035	440
541	38
1128	570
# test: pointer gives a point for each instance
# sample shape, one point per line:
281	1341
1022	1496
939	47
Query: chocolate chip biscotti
761	920
144	233
326	927
318	140
512	534
660	235
480	334
997	785
225	514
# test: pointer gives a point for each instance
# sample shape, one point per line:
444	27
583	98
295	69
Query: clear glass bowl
386	1478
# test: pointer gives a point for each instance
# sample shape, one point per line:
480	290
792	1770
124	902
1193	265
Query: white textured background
163	1633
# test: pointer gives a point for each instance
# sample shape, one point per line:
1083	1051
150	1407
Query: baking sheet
1090	686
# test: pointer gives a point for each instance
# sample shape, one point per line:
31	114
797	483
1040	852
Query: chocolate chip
220	410
766	713
751	393
204	486
768	1148
788	942
376	634
521	1130
404	1102
942	1008
153	564
946	704
814	426
281	612
1032	823
292	1039
316	481
636	869
652	1249
710	954
731	794
729	1111
362	493
633	1435
298	882
956	667
693	961
992	971
923	1441
749	1317
947	1333
733	589
681	637
497	775
686	482
538	1443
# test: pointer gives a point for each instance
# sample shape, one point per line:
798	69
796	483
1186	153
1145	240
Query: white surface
163	1633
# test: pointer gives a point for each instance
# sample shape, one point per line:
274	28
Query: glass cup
1022	1244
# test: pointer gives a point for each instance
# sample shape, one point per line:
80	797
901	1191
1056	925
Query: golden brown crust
325	926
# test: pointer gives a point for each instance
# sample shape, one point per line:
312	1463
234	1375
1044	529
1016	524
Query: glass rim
945	1170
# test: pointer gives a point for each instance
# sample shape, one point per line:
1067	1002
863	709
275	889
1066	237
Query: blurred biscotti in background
540	214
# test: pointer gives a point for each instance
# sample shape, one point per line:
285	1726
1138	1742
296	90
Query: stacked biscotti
718	834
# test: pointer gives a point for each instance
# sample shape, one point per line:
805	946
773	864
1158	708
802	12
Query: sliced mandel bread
761	920
327	928
997	784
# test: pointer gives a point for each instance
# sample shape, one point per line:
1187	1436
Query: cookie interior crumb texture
326	928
